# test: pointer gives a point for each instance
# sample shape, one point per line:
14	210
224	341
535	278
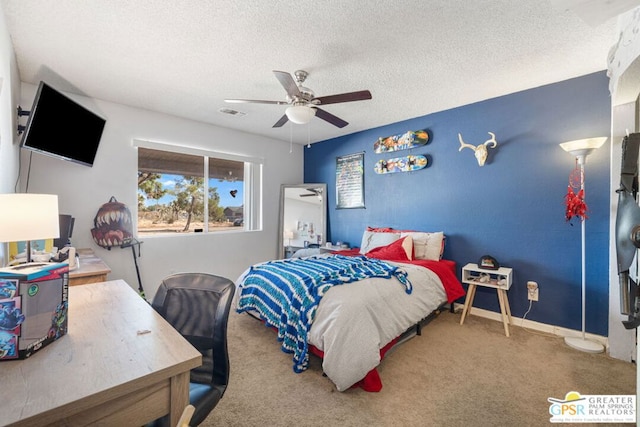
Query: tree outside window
172	188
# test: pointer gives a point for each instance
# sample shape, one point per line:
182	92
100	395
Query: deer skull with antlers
480	150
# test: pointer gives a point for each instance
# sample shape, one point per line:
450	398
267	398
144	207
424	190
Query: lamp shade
288	234
300	114
26	217
581	148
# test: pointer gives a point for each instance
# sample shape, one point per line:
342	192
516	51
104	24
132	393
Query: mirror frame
321	227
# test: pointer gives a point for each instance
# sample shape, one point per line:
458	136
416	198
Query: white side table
499	279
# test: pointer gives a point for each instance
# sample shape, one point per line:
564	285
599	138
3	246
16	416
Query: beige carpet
452	375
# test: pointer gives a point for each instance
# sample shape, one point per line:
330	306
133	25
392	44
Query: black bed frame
417	328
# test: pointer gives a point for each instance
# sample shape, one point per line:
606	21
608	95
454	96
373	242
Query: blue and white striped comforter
286	293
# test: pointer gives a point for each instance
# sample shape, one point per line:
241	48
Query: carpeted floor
452	375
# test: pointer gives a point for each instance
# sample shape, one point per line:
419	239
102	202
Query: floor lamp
581	149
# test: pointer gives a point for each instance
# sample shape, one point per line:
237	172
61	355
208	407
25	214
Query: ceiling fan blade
286	80
284	119
312	192
328	117
254	101
343	97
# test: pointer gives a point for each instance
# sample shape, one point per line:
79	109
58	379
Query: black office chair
197	305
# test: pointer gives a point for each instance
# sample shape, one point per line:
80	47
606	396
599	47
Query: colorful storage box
33	307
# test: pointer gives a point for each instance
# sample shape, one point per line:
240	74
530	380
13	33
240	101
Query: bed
349	307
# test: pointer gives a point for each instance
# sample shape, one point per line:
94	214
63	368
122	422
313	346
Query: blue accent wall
511	208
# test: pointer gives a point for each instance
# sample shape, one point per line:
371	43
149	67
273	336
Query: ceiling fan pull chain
290	138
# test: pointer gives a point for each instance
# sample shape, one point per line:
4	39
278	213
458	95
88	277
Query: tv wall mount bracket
21	113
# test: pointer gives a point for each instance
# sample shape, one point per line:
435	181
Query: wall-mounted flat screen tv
60	127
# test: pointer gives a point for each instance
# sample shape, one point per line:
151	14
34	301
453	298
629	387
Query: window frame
252	182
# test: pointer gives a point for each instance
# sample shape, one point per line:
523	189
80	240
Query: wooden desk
104	371
91	270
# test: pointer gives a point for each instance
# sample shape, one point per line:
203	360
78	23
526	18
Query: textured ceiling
184	57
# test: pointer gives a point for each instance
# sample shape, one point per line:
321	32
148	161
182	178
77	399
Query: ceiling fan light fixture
300	114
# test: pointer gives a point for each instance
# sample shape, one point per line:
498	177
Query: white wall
9	92
82	190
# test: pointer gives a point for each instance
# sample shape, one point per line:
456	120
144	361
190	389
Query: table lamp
288	234
26	217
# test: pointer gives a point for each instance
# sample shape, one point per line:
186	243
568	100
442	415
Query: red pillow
400	250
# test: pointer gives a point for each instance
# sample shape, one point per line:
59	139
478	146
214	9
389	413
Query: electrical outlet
532	291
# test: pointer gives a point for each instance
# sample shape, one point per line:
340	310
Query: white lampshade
300	114
26	217
581	148
288	234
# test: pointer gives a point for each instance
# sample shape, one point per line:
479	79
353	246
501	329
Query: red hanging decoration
575	203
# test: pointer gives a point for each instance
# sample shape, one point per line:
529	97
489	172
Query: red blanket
446	271
371	382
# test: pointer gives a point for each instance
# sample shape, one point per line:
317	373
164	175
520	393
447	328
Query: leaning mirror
303	222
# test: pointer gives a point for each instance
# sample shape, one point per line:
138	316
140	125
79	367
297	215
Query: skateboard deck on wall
400	164
410	139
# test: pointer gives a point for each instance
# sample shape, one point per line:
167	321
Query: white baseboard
536	326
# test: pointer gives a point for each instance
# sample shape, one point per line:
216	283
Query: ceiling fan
312	192
303	104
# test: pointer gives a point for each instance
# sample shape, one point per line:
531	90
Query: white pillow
372	240
426	245
407	245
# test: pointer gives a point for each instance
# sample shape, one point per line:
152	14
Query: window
172	189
